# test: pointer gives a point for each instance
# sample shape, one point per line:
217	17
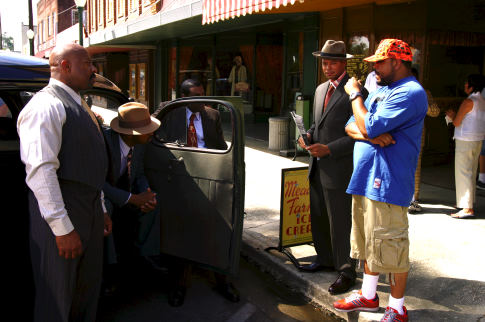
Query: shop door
200	190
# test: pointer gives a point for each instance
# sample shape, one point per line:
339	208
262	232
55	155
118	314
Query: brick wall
107	13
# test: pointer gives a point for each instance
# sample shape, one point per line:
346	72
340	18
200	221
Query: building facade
155	45
57	22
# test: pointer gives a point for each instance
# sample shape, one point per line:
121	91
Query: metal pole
80	14
31	27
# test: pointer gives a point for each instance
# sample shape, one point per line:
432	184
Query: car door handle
177	161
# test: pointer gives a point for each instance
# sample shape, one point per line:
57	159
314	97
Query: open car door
200	189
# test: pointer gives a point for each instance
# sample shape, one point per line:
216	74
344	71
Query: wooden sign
295	225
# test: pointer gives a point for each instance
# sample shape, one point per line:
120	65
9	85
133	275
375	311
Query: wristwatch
354	95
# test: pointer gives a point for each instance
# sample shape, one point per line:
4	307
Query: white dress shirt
124	150
198	127
371	82
39	126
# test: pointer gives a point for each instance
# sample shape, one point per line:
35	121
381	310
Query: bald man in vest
66	164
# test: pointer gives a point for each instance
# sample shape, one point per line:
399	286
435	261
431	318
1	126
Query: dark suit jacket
174	127
138	181
329	129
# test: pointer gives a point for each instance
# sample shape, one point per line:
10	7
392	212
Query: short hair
477	81
187	85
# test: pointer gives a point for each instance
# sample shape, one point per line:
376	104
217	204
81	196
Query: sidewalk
447	277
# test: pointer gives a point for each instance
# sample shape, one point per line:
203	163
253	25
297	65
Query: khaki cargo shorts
379	235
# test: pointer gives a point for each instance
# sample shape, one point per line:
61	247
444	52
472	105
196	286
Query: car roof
16	67
18	70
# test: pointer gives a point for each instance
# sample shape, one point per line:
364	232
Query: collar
188	113
75	96
336	82
402	81
124	148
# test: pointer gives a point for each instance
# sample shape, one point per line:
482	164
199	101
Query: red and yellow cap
391	48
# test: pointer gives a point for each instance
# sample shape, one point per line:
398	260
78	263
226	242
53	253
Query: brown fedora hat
134	119
333	49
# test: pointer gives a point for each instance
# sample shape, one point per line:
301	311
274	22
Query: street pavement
447	277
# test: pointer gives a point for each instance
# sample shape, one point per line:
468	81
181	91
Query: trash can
278	133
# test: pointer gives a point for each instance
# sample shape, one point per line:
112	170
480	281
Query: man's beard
384	81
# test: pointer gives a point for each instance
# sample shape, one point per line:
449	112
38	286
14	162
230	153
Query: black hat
333	49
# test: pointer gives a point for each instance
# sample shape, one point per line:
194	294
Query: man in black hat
330	169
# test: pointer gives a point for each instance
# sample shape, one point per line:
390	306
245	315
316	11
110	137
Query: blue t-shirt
387	174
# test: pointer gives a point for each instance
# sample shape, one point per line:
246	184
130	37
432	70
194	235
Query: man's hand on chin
352	86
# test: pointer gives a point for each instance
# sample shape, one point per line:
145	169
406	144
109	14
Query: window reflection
104	107
197	126
4	110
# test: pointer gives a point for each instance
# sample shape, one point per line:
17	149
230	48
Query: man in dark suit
128	198
330	169
206	121
199	126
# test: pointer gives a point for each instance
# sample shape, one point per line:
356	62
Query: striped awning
215	10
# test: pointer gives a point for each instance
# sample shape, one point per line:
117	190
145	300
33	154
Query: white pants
466	163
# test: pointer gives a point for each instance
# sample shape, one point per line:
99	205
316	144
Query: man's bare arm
354	132
382	140
358	107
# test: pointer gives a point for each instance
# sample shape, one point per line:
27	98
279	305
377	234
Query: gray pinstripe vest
82	155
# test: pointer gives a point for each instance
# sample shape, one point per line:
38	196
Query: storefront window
230	72
268	77
133	81
172	62
235	67
142	95
294	78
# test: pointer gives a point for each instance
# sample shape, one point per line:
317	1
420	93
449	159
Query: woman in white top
238	74
469	124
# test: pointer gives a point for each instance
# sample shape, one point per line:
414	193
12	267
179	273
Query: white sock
369	286
481	177
397	304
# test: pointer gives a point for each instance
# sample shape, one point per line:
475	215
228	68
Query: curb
283	270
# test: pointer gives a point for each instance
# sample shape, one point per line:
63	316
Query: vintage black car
20	78
201	191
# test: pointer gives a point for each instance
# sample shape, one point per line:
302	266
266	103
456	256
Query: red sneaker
392	315
357	302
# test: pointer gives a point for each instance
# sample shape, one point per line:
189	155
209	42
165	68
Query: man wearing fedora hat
330	169
128	198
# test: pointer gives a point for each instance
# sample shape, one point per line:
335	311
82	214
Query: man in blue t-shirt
387	127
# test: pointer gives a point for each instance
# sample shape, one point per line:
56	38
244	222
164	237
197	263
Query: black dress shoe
315	267
228	291
341	285
176	296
